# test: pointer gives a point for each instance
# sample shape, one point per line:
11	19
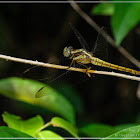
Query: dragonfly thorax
67	51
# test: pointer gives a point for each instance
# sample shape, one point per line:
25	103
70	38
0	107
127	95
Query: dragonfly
82	56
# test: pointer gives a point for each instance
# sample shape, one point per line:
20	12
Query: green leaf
25	90
130	133
6	132
59	122
47	135
105	9
73	96
124	126
97	130
125	17
29	126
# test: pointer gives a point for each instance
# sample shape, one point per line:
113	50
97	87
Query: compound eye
66	52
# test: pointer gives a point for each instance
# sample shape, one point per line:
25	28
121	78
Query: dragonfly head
67	51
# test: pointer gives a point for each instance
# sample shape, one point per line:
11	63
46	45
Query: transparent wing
41	92
39	72
100	48
80	38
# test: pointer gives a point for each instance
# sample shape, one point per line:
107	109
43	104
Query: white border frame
32	2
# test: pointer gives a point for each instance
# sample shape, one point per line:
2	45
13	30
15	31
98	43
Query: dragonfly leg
87	69
73	62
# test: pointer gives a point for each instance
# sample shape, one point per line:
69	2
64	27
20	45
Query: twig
67	67
43	127
109	39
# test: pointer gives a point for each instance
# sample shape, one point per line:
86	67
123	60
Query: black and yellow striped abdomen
99	62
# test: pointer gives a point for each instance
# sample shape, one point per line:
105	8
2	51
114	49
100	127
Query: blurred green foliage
25	90
29	126
34	127
124	17
6	132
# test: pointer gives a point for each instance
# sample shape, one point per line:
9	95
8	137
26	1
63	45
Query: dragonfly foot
88	72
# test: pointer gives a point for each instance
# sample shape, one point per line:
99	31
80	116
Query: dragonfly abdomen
99	62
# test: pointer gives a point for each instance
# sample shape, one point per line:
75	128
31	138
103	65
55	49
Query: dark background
40	32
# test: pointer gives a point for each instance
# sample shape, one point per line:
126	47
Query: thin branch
109	39
43	127
20	60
